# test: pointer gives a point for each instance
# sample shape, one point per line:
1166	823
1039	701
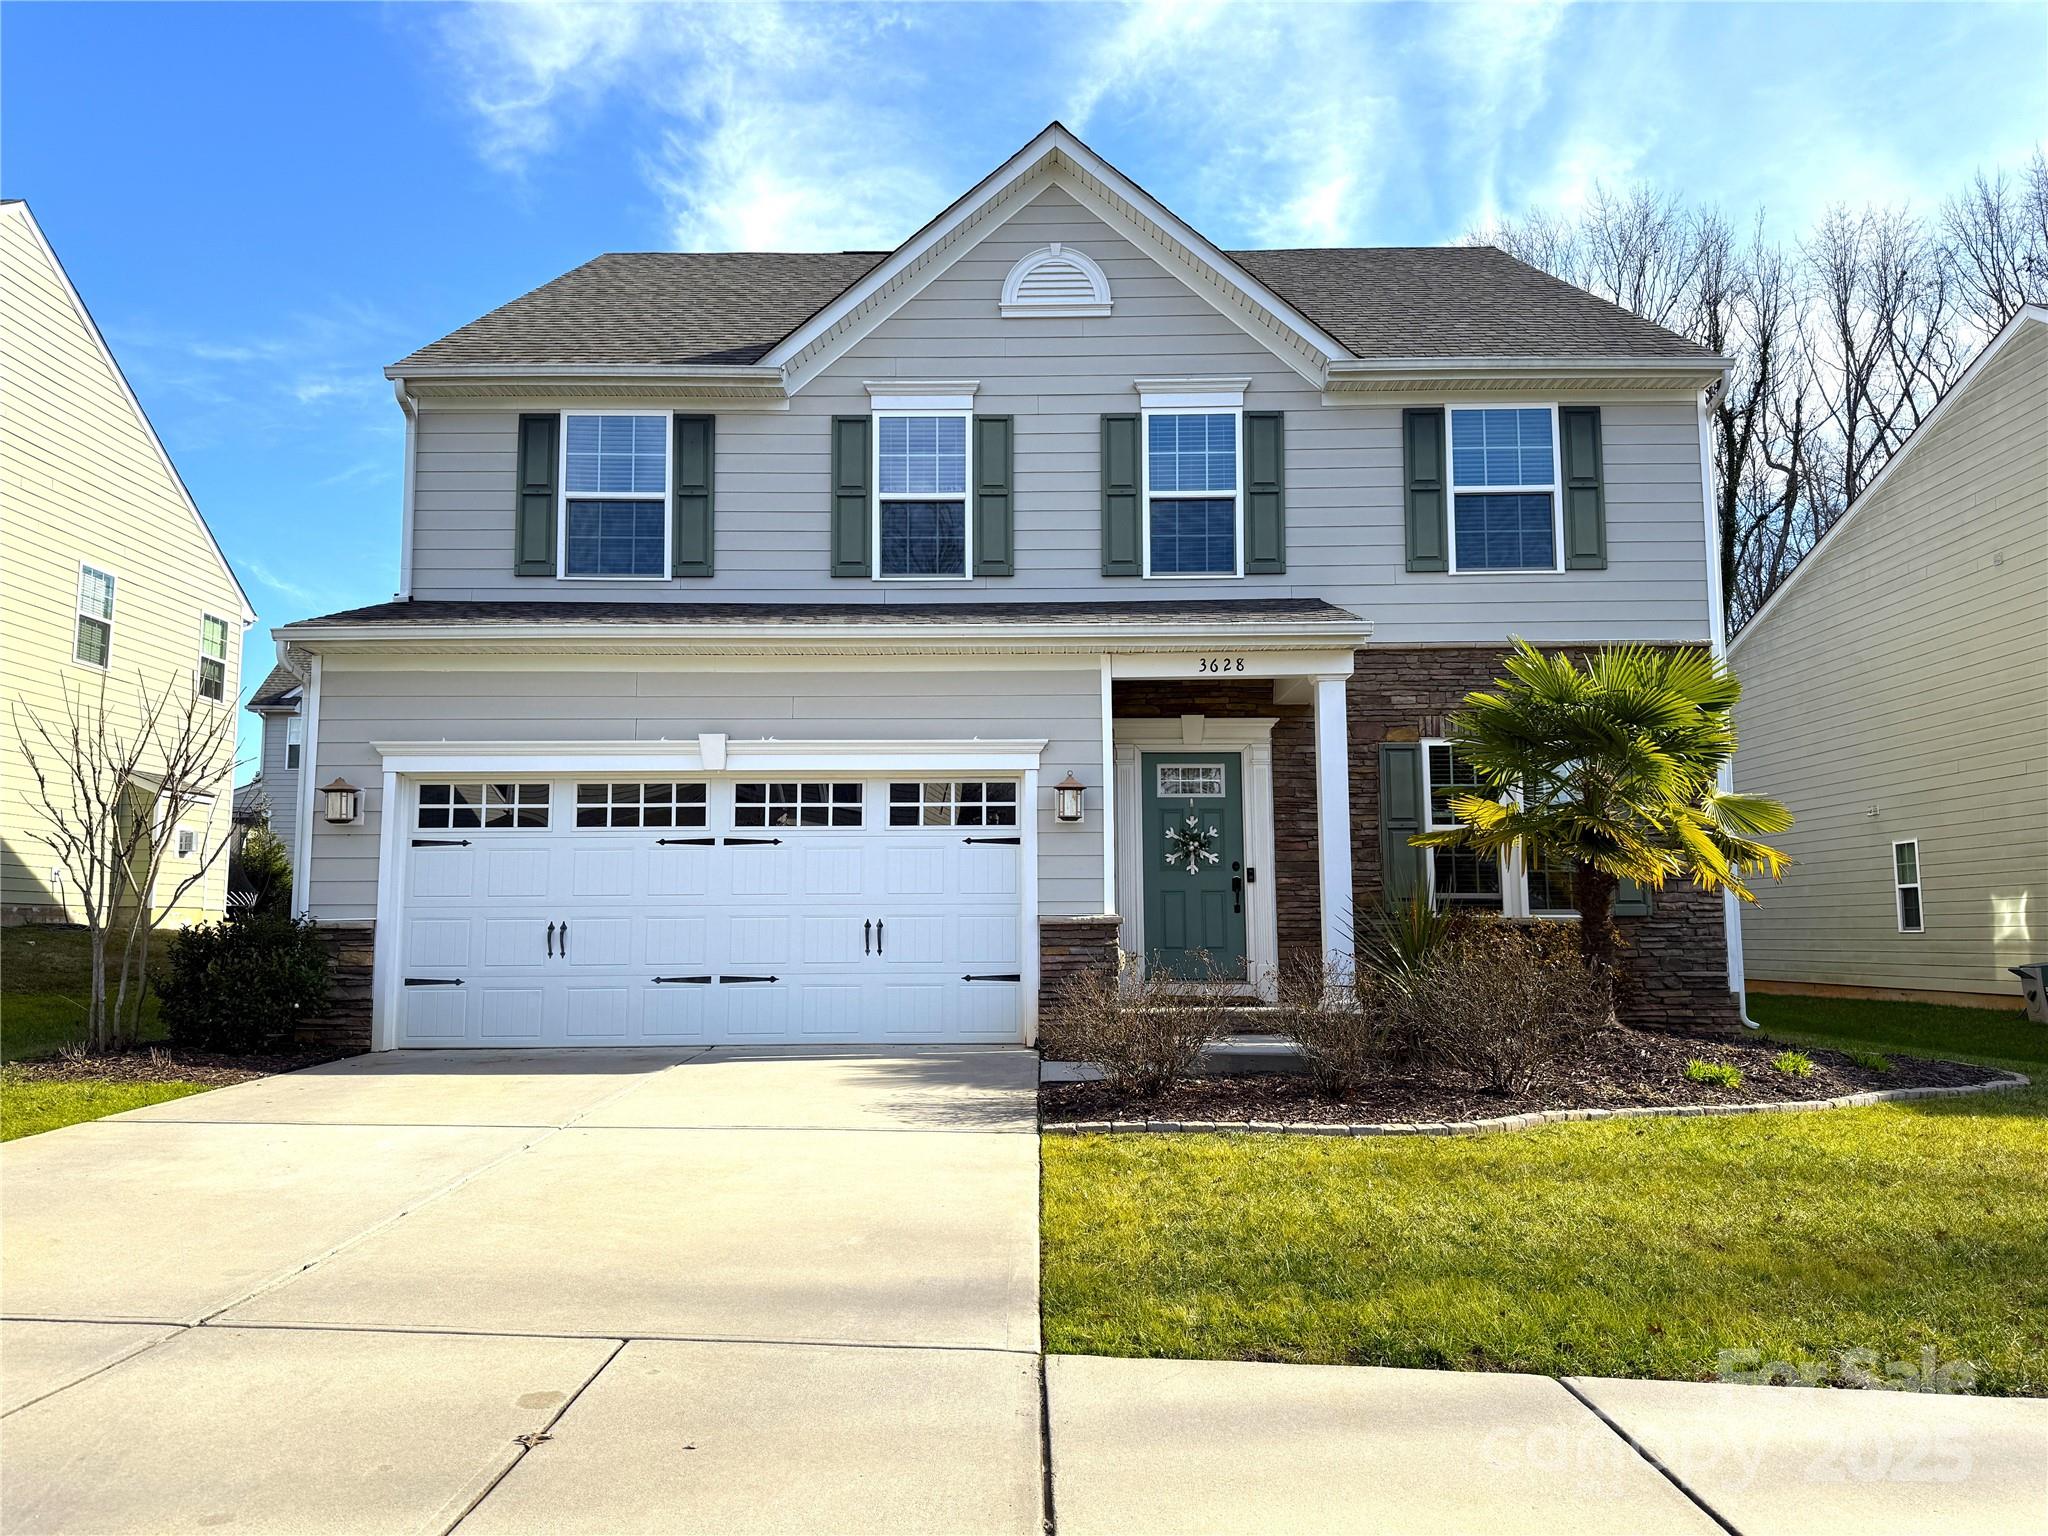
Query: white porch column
1333	816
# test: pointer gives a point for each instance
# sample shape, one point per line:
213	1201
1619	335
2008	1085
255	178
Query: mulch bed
1619	1068
165	1064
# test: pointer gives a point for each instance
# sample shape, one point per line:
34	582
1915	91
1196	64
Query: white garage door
693	910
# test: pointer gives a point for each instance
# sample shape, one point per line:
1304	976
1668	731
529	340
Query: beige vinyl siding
80	479
359	707
1057	377
1905	673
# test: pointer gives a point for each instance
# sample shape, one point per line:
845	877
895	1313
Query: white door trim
1252	740
405	761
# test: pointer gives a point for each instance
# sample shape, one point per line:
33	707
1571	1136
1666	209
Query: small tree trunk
1593	894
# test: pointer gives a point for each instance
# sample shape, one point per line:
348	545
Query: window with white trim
188	842
213	657
1193	485
921	479
1906	882
471	807
615	519
666	804
795	803
93	643
1457	876
953	803
1505	506
294	741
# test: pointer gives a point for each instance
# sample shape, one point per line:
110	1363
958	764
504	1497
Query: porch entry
1194	863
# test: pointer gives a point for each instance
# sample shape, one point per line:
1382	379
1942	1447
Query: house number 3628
1222	663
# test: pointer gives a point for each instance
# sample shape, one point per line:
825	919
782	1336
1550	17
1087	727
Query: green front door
1194	864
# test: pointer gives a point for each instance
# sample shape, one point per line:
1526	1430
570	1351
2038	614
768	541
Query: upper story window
294	741
213	657
1192	501
615	495
94	640
921	470
1504	495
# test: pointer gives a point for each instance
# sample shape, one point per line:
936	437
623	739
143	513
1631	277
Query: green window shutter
1585	498
692	476
1631	899
1402	875
533	525
850	462
1422	458
995	506
1265	495
1122	522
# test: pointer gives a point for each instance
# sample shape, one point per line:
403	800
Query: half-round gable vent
1056	280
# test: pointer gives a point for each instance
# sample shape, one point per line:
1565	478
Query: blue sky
264	204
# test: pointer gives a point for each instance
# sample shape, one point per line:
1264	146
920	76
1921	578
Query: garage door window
640	805
952	803
794	804
473	807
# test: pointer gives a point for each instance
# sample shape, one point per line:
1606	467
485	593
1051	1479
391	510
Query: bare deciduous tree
112	798
1997	244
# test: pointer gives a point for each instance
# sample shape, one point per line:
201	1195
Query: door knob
1236	895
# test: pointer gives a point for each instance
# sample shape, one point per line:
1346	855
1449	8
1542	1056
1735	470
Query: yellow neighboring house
109	577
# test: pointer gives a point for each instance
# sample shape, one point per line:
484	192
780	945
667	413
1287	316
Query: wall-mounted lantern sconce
1066	799
344	800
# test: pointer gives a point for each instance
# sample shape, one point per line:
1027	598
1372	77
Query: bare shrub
1145	1033
1346	1026
1504	1001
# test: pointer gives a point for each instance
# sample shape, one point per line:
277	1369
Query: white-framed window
923	466
1193	491
213	657
93	641
666	804
796	803
1906	881
188	842
472	807
1506	509
294	741
615	481
953	803
1190	781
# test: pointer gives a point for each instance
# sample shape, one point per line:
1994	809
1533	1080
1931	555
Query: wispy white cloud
284	586
773	114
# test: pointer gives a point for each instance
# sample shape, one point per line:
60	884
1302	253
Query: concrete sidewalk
775	1291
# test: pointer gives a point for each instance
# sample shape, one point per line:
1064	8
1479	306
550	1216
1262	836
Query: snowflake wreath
1189	844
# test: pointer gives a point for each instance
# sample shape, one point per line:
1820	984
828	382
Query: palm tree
1613	767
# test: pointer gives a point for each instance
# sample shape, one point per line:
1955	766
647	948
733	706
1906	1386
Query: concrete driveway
611	1291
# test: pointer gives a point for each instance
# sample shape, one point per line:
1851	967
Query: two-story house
111	586
840	647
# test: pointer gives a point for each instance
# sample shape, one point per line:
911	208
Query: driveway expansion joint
1643	1451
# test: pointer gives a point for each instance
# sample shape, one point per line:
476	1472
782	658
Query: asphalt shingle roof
272	689
682	307
1246	611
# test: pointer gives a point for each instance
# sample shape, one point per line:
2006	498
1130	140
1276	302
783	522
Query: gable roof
279	690
656	308
2031	314
156	443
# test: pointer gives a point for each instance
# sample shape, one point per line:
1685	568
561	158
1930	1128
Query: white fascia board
1055	142
92	329
969	755
1380	376
2032	314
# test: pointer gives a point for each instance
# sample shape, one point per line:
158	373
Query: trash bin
2034	983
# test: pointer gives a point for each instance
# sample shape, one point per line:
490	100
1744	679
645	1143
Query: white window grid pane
1182	780
797	803
213	678
457	805
617	455
667	803
95	642
95	593
1192	452
1507	447
213	637
953	803
922	455
923	538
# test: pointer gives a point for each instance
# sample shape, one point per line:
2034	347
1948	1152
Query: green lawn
44	983
1632	1248
29	1106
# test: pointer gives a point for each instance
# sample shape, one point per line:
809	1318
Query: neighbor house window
294	741
615	495
1457	876
921	494
213	657
1504	498
94	643
1191	493
1906	876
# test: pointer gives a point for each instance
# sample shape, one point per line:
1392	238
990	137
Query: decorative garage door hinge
686	842
1002	976
751	842
433	981
440	842
991	839
673	981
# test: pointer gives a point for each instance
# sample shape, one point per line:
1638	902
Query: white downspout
1717	630
410	407
309	763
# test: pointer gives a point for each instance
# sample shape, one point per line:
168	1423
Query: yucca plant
1611	766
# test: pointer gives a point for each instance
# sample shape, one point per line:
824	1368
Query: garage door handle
551	941
867	934
565	941
694	981
878	935
1005	976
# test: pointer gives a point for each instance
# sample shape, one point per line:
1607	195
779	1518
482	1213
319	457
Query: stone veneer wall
1069	946
345	1023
